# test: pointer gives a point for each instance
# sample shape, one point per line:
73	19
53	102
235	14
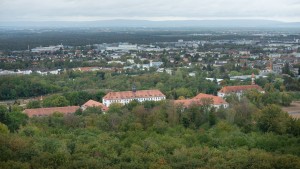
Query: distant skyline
154	10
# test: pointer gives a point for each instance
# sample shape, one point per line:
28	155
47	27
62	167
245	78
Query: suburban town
264	55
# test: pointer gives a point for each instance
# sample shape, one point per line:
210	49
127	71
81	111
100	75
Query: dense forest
253	133
153	135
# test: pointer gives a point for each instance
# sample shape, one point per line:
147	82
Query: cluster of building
271	57
203	99
28	72
126	97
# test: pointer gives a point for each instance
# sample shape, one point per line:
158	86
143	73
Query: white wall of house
108	102
217	106
220	94
238	94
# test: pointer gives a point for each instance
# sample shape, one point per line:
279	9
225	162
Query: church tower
253	79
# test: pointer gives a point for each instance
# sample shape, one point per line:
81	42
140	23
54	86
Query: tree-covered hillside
153	135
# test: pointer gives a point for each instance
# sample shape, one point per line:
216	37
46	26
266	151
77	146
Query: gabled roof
216	99
93	103
133	95
50	110
198	100
187	102
86	69
230	89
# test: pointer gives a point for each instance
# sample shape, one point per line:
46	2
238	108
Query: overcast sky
89	10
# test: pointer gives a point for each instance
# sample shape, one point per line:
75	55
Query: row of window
138	99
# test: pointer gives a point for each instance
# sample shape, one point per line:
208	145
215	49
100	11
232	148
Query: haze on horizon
154	10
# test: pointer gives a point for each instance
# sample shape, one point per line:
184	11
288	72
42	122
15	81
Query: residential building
123	47
47	49
192	74
201	99
245	77
127	96
238	90
214	79
93	103
277	67
131	61
116	62
244	52
86	69
155	64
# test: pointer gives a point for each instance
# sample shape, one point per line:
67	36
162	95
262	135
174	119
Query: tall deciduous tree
55	101
273	119
16	120
3	129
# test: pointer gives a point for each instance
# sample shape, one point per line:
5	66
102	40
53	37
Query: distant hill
159	24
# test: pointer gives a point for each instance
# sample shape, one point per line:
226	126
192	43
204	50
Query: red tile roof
93	103
199	100
132	95
86	69
230	89
50	110
216	99
187	102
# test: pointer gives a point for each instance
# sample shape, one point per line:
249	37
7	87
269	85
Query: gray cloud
38	10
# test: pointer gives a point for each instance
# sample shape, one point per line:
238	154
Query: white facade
126	97
108	102
155	64
237	93
244	52
123	47
47	49
218	106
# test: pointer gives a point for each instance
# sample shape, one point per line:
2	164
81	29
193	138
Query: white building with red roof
238	90
127	96
202	99
93	103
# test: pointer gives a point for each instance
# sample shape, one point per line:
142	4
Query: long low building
202	99
127	96
51	110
